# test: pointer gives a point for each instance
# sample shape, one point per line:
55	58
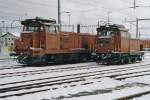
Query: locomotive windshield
106	32
51	29
32	28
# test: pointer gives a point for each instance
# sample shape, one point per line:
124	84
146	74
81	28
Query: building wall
7	41
0	42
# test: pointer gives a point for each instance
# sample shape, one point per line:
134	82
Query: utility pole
138	33
59	15
69	18
69	15
130	22
3	28
137	27
134	4
108	17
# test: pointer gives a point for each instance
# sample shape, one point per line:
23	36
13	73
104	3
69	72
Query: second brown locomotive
114	45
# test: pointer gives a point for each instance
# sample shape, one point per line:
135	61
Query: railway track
21	66
50	70
94	72
43	71
24	69
38	84
12	67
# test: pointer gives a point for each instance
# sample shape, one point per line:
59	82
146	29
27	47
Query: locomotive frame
41	43
44	44
115	45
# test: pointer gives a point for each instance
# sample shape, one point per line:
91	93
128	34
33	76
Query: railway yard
79	81
74	50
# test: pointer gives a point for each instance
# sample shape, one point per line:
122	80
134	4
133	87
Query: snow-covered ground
102	89
9	63
4	53
91	89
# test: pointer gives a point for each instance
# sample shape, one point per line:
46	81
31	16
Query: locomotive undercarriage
54	58
118	58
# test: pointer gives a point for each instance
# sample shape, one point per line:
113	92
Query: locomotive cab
41	44
32	41
105	43
38	28
114	45
105	38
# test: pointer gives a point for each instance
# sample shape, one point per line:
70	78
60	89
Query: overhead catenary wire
23	6
28	2
95	7
98	7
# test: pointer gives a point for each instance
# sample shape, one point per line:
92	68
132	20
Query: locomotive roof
39	21
117	26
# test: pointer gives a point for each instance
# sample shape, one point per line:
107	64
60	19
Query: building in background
7	43
0	42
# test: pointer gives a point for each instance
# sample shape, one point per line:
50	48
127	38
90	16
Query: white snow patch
68	89
141	79
114	95
144	97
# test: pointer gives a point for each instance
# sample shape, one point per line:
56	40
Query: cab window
106	33
31	28
51	29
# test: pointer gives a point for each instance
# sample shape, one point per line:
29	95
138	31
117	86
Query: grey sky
82	11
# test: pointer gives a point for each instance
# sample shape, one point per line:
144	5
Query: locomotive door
85	42
141	47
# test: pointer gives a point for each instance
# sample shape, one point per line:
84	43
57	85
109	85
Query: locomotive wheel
133	60
129	61
139	59
59	59
44	60
122	61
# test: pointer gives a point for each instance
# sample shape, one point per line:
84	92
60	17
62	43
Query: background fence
91	29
